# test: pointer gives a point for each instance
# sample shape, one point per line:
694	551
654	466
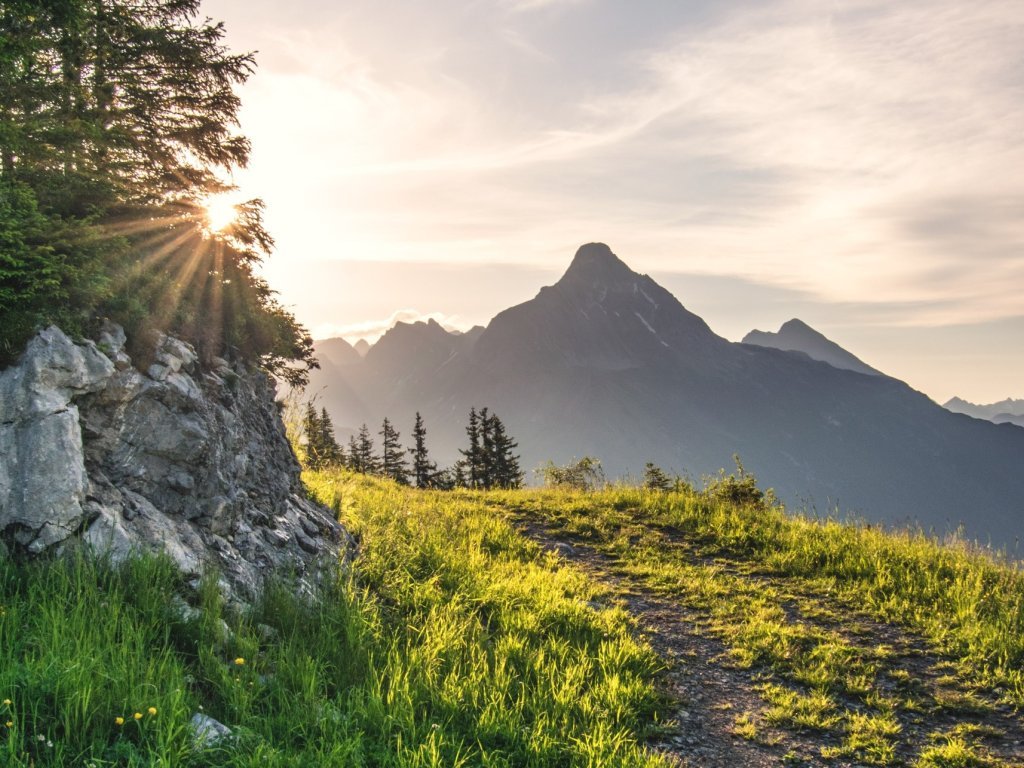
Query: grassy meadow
454	640
888	641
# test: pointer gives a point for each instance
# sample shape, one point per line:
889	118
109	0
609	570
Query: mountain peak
797	336
595	262
601	315
796	325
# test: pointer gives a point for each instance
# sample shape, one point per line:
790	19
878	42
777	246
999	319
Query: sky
856	164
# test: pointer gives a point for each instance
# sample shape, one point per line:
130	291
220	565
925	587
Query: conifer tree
458	473
355	460
117	120
503	464
489	461
135	101
322	449
485	470
424	471
655	478
445	480
393	462
329	447
362	456
311	429
472	455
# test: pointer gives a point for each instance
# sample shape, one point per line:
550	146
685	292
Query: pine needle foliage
117	120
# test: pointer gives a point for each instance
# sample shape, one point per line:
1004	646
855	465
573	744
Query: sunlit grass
454	642
508	635
954	751
968	603
794	598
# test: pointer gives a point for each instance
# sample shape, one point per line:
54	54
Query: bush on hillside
739	488
580	474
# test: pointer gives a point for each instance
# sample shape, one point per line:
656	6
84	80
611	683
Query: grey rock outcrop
206	731
191	462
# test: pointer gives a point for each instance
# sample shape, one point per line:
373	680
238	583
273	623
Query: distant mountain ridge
796	336
1008	411
606	362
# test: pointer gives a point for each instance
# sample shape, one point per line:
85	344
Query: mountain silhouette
796	336
1008	410
607	363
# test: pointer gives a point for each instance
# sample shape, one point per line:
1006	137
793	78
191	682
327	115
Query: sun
221	211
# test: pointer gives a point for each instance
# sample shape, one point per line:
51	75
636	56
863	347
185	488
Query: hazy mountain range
1008	411
608	363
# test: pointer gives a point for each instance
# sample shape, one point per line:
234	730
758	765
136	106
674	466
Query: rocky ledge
191	462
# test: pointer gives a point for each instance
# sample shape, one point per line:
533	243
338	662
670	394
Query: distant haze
853	164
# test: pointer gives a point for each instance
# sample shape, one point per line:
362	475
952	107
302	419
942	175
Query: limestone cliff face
189	461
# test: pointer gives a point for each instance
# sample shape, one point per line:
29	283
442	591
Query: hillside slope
533	628
785	641
800	642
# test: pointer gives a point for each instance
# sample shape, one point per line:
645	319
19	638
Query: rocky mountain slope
608	363
179	459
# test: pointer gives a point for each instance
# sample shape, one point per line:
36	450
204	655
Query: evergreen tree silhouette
503	465
328	444
472	467
424	471
393	462
363	458
322	449
458	472
355	462
485	469
489	461
655	478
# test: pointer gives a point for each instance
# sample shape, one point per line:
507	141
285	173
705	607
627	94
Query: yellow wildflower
137	715
239	661
9	723
7	702
118	721
151	710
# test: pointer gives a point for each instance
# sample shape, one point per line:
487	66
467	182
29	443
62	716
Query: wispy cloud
861	154
864	121
522	6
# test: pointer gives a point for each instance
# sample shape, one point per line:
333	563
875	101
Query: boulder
207	732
